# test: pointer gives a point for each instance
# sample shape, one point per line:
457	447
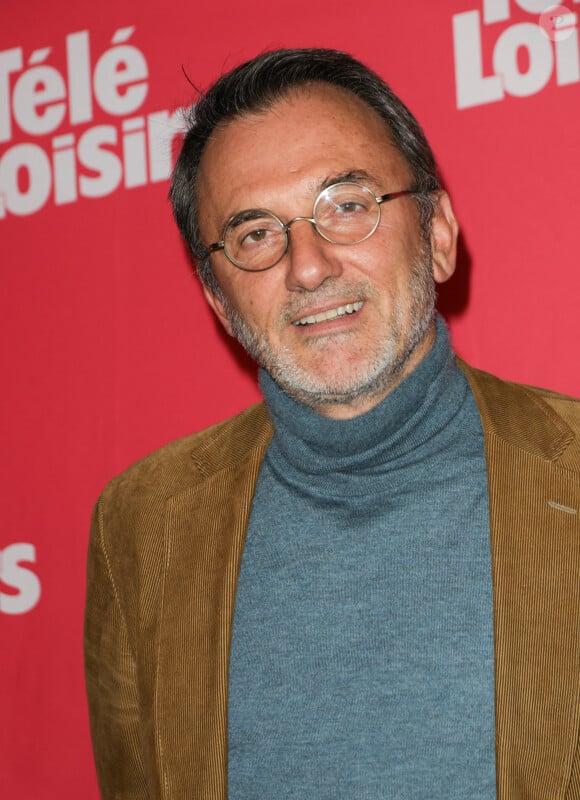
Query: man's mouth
331	313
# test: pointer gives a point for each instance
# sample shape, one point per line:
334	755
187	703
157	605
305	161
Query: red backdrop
108	350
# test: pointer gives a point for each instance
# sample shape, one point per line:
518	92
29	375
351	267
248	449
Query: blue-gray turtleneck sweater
362	646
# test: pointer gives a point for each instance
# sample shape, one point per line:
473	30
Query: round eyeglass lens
255	240
346	213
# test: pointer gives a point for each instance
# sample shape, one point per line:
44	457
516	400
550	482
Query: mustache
333	292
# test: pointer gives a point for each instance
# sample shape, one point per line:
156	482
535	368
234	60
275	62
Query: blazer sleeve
111	679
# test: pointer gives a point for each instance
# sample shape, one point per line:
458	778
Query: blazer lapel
205	529
536	587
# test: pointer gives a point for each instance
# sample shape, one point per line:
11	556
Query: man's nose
311	258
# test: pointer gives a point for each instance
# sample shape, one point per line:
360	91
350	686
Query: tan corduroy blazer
164	556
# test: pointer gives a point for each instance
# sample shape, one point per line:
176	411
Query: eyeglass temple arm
383	198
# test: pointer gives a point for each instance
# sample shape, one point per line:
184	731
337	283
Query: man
303	602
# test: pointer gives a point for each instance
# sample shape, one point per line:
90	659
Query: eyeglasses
344	213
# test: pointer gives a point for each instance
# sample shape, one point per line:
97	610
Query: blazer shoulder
539	420
183	462
564	405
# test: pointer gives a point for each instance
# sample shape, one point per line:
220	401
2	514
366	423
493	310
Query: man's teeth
332	313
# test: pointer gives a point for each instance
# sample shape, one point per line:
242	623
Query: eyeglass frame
285	226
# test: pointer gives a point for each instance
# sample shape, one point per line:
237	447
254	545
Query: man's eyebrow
247	215
352	175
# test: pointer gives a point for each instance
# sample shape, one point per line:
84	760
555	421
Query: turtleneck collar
403	421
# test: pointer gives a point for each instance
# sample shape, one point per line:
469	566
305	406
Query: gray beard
385	365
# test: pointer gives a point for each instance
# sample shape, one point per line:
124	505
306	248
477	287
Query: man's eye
258	235
349	207
255	236
342	212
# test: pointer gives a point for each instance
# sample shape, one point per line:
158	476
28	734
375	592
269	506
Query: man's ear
217	305
444	232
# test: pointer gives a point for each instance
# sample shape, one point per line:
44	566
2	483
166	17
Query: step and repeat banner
108	350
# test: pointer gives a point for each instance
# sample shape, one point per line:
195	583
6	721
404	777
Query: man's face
279	160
